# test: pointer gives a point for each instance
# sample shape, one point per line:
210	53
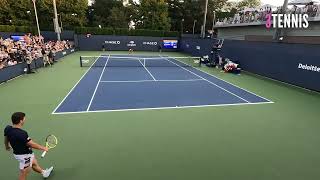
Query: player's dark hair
17	117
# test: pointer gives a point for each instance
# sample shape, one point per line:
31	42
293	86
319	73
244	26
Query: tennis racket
51	142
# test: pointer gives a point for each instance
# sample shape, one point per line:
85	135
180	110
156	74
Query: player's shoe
46	173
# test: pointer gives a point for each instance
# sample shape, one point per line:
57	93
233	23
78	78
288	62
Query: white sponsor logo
309	67
131	44
85	61
112	42
150	43
72	50
64	53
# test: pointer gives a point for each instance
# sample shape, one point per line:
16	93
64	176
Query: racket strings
52	141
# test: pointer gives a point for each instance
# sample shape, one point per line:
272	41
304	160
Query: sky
272	2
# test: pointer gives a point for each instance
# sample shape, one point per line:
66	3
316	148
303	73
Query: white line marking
95	90
147	70
208	80
12	79
163	108
229	83
74	86
187	80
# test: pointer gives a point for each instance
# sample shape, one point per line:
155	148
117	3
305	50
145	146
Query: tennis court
122	83
265	141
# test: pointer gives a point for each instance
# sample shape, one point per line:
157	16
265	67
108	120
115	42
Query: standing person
17	139
160	48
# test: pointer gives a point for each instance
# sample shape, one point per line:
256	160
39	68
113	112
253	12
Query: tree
185	13
16	12
5	12
152	14
118	18
249	4
21	12
101	10
71	13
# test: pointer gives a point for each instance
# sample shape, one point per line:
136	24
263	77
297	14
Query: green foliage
125	32
152	14
183	14
9	28
117	18
94	30
108	13
21	12
248	3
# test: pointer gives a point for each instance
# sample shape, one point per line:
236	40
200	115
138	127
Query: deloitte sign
309	67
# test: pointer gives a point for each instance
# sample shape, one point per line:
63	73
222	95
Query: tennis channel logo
131	44
112	42
309	67
287	21
153	43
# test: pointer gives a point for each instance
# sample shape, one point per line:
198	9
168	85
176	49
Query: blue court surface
122	83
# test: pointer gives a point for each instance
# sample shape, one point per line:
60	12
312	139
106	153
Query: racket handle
43	154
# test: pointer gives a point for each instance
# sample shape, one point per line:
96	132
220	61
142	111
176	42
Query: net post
81	61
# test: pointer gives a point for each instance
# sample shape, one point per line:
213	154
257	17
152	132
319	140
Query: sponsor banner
309	67
131	44
150	43
112	42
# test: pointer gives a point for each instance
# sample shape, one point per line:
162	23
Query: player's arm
34	145
6	143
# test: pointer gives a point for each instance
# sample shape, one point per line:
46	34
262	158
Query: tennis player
17	139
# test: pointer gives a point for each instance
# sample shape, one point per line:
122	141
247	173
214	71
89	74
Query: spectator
12	53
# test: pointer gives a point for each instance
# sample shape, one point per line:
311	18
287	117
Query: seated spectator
12	62
2	64
12	53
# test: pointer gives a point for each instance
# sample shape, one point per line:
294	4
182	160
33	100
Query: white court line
207	80
148	71
228	82
75	86
139	81
163	108
95	90
12	79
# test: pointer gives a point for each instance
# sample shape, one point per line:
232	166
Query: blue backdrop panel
275	60
122	43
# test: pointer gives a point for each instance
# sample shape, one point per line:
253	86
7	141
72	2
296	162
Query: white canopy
302	2
249	10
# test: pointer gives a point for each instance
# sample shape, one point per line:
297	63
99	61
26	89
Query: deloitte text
309	67
287	21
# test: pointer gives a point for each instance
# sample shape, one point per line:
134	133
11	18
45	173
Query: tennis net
118	61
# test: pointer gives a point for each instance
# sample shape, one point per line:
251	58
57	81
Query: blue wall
275	60
122	43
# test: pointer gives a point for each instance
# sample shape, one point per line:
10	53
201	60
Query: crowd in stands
259	15
28	49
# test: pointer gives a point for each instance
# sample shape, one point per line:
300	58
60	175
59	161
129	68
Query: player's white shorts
25	160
